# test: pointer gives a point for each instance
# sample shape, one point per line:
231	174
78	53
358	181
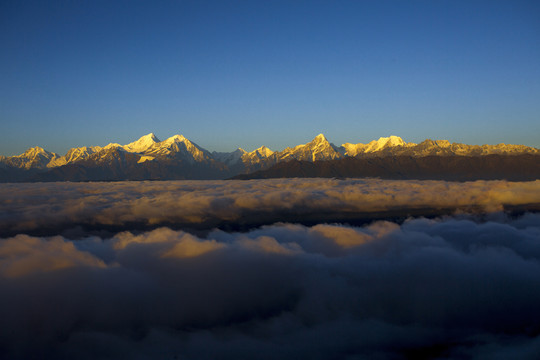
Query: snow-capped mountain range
178	152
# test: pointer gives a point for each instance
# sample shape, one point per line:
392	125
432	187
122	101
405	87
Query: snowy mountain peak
384	142
33	151
176	138
320	138
229	158
265	151
317	149
257	156
142	144
34	157
319	141
74	154
37	152
392	140
178	149
112	146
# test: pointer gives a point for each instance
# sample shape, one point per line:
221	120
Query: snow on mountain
257	156
73	155
144	158
142	144
263	151
384	142
445	148
374	146
177	148
147	147
317	149
395	146
230	158
35	157
112	146
353	149
252	160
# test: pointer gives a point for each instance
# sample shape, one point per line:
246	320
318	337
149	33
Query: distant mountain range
148	158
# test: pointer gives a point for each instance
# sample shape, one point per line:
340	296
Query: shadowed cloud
426	288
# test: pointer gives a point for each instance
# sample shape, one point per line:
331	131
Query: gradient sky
276	73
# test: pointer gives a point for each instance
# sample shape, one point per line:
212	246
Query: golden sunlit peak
392	140
143	143
176	138
264	151
320	137
150	136
35	149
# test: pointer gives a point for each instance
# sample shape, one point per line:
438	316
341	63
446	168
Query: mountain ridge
177	158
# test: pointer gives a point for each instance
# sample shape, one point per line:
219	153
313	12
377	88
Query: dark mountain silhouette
453	168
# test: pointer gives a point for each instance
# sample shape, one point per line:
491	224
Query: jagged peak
226	153
320	138
264	150
392	140
150	136
178	146
83	149
35	149
428	142
112	145
384	142
442	143
316	142
183	142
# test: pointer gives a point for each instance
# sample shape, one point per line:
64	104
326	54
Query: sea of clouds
54	208
447	287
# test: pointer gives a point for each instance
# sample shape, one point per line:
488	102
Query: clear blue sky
275	73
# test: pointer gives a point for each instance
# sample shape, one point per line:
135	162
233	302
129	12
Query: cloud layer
447	288
54	208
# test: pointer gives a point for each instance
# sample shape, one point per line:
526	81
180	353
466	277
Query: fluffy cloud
23	254
448	288
73	209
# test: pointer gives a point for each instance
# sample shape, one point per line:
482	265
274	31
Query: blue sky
276	73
